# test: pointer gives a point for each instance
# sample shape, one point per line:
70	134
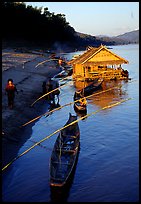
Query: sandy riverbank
28	80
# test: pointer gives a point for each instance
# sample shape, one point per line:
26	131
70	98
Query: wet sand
28	78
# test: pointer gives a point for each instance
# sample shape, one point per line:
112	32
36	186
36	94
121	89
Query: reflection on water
52	107
102	97
61	194
81	84
107	169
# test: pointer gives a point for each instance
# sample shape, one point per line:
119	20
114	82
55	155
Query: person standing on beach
44	90
50	88
10	90
57	92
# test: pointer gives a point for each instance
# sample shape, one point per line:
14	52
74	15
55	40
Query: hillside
131	37
126	38
38	28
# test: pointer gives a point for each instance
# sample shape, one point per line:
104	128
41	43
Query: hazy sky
97	18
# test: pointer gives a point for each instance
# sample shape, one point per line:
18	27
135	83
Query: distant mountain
84	40
131	37
126	38
90	40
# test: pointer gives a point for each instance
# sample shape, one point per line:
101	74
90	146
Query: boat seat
65	150
70	136
55	162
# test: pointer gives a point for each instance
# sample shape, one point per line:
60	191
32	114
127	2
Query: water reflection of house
98	62
102	97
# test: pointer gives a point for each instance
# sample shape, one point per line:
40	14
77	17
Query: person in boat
78	94
83	101
125	73
44	90
10	89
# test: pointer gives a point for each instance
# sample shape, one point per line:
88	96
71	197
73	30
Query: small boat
64	153
80	108
81	104
94	86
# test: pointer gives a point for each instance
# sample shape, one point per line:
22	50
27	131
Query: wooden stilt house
98	62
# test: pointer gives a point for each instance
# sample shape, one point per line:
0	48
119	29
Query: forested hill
37	27
21	22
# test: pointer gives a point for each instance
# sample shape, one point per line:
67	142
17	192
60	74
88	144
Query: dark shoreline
29	85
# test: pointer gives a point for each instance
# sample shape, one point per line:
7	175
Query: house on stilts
98	62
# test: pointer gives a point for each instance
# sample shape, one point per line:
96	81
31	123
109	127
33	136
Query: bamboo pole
47	94
47	137
45	61
49	112
64	78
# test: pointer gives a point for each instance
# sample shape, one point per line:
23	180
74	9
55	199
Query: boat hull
94	86
64	154
79	108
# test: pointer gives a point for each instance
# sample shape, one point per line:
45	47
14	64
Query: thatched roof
91	52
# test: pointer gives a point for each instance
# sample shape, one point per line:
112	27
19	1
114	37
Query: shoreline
28	81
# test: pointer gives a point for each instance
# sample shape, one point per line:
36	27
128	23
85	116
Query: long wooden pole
47	137
45	61
64	78
49	112
47	94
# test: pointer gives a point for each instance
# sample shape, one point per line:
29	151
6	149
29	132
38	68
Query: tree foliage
25	22
41	27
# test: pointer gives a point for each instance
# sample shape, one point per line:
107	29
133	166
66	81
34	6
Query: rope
47	137
94	94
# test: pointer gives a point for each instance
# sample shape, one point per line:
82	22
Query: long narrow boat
94	86
64	153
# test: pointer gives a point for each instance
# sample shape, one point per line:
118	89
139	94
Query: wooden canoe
81	105
64	153
94	86
80	108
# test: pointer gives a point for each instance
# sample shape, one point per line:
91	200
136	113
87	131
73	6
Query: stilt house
98	62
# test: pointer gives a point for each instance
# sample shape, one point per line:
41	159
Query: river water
107	169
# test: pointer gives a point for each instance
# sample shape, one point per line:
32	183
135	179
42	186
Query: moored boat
80	102
64	153
94	86
80	108
80	105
